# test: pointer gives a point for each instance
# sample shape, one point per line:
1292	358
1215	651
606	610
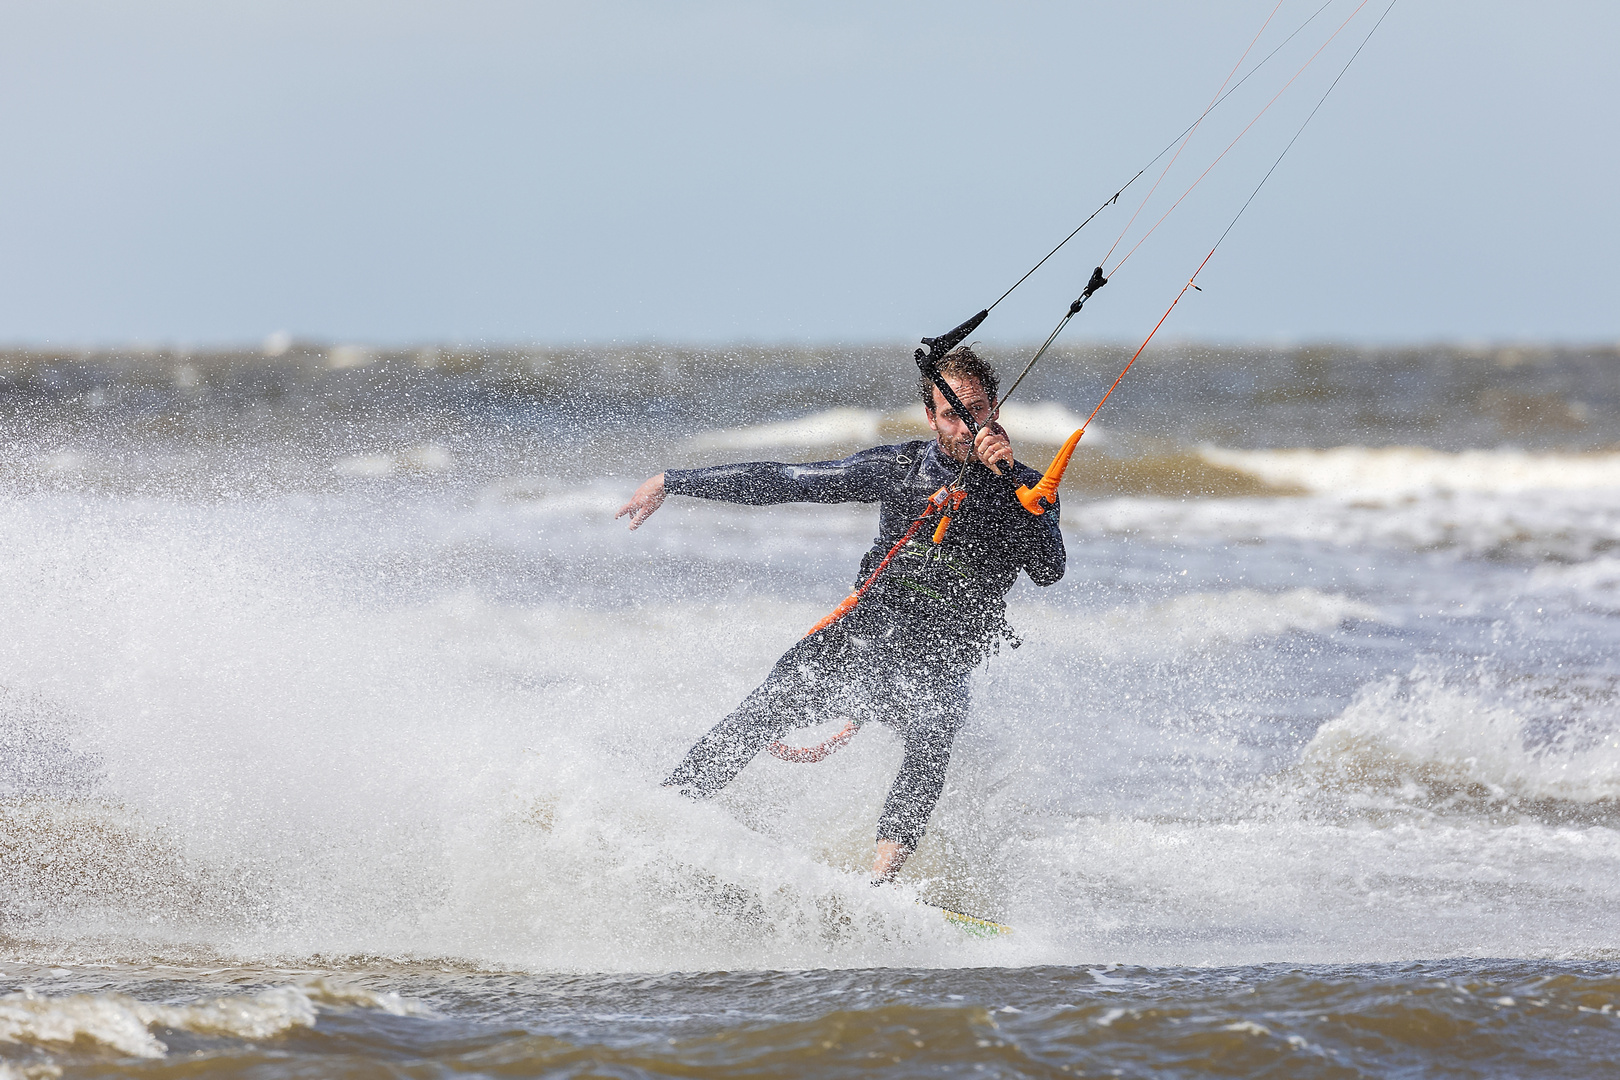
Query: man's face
954	437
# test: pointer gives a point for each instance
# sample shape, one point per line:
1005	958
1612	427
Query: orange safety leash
809	755
938	501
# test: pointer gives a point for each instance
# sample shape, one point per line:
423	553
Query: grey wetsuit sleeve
1039	539
863	477
1044	557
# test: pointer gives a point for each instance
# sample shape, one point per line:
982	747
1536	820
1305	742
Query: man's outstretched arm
648	497
862	477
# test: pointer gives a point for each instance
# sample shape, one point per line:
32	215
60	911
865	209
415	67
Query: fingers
993	448
638	510
648	497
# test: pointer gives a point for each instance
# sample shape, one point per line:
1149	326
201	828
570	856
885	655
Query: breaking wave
1042	423
1536	526
1426	742
1195	621
1399	470
124	1024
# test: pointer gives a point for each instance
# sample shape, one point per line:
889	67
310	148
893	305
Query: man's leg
794	693
928	737
890	856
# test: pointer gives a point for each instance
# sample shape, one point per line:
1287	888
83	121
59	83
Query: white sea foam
333	993
1425	820
1431	737
307	762
828	428
1595	583
1204	618
428	458
1397	470
1045	422
123	1023
1301	890
1200	620
365	465
1536	525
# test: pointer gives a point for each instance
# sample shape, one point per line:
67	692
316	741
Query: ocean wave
427	458
332	993
122	1023
1536	526
1594	584
1042	423
1199	620
1429	744
1399	470
125	1024
832	427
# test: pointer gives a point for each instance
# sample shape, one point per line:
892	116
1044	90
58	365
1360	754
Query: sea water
334	705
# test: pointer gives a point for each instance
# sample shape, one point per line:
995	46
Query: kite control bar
1034	499
928	362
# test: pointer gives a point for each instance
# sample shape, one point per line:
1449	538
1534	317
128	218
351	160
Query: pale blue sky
715	171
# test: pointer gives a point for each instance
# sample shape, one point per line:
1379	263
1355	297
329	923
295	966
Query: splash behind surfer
903	655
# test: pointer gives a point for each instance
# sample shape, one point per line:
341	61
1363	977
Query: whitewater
329	687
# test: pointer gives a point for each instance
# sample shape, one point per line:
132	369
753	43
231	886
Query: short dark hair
961	362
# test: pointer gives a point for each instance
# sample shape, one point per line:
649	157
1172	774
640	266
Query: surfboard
972	925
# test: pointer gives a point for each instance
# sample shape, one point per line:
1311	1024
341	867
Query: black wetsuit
903	655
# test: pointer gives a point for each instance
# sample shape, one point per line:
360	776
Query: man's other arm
1040	540
860	478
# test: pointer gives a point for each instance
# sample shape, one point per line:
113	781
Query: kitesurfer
903	655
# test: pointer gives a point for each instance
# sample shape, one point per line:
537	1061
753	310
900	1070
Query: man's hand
648	497
992	448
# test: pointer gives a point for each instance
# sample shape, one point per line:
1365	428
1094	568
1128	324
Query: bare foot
888	860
